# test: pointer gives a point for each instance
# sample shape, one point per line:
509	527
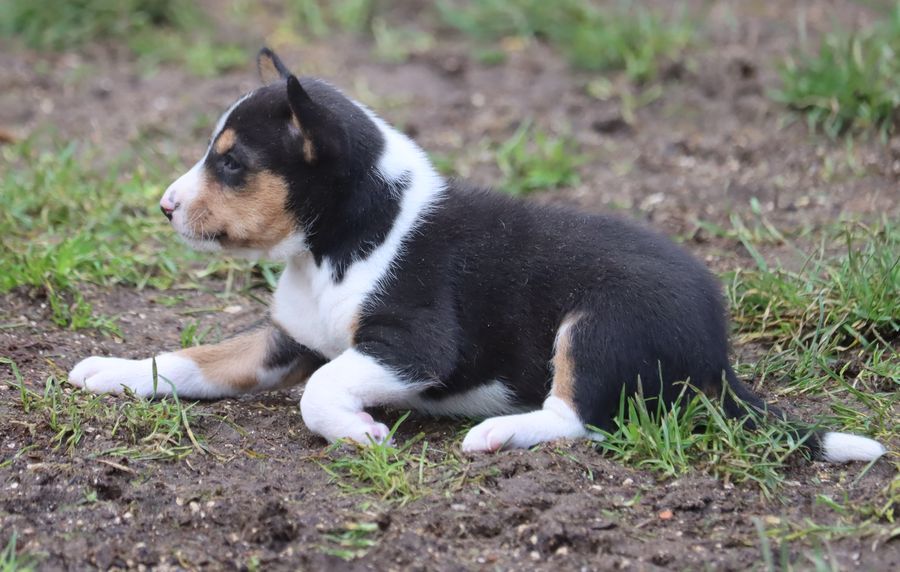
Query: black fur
343	204
282	351
483	285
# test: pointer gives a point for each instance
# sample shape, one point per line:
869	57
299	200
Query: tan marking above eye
224	142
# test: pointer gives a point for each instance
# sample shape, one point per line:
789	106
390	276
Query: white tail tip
843	447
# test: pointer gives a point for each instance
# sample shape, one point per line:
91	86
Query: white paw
491	435
555	421
358	427
112	375
368	430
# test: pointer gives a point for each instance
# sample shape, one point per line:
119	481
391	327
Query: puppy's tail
830	446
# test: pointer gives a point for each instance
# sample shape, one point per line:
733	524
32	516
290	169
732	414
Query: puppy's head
278	158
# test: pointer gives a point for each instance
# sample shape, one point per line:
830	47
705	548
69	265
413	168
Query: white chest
316	311
320	313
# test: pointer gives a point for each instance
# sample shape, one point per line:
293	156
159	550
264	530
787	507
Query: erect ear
270	67
323	135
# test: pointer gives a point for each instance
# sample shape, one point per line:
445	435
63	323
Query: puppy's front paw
358	427
368	430
112	375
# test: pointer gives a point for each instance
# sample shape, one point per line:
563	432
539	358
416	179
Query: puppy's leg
557	419
335	397
262	359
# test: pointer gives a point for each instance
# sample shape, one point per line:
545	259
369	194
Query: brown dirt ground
702	151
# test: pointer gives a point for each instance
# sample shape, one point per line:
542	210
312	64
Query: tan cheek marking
563	363
261	209
252	217
233	362
224	142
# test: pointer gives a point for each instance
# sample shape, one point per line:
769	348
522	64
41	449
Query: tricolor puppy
407	290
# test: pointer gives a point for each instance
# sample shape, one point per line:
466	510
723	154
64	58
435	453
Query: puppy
404	289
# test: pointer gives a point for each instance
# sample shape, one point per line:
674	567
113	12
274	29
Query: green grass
852	82
393	43
157	31
820	559
12	561
594	36
319	17
352	541
629	38
694	435
146	429
831	330
66	224
61	24
532	160
397	473
380	469
832	324
873	519
192	335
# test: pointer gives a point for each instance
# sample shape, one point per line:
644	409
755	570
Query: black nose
167	212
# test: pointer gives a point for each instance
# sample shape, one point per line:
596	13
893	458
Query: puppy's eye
231	164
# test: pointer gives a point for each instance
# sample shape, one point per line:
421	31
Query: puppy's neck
386	203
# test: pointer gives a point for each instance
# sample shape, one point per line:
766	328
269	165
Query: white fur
111	375
486	400
556	420
335	396
843	447
183	192
186	188
293	245
319	313
220	124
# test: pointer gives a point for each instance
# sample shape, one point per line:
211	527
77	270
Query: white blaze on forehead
224	119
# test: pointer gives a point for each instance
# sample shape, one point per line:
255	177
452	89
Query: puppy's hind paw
488	436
